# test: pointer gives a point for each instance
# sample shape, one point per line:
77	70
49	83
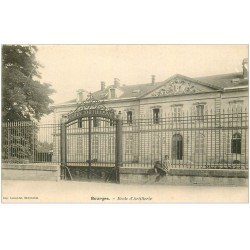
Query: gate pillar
119	152
63	147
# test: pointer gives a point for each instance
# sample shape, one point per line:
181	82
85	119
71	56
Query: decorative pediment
179	86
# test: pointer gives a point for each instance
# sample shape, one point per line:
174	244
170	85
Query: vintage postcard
125	124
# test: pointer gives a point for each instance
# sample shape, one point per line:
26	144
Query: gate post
119	153
63	148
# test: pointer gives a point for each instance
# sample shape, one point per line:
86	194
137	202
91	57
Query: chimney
103	85
116	82
153	79
245	68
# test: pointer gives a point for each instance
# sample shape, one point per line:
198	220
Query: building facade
192	121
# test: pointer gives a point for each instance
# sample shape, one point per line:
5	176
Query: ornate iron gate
91	142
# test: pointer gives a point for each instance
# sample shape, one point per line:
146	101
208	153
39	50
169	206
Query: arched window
236	144
177	147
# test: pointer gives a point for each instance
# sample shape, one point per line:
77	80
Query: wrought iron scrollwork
91	107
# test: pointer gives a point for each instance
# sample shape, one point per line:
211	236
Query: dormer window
81	95
129	117
114	92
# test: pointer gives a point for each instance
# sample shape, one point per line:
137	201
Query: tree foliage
24	96
44	146
18	142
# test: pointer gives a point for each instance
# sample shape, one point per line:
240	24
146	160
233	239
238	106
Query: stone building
192	120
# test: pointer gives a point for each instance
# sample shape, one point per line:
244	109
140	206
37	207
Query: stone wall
34	172
186	177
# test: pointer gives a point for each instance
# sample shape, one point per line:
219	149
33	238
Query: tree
44	146
24	97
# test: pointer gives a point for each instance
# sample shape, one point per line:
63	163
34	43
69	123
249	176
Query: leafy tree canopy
24	97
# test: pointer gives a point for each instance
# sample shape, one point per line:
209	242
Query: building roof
224	81
139	90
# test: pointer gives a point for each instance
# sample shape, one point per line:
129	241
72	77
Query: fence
29	142
101	132
210	141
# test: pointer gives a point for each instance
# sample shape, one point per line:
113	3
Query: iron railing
211	141
91	139
29	142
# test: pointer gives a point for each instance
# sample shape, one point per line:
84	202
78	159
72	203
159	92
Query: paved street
90	192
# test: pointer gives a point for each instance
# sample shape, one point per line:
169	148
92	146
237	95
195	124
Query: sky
71	67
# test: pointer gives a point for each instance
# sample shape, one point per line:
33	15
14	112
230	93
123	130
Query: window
129	117
199	144
95	122
79	123
235	106
235	109
156	116
95	146
112	122
112	93
236	144
156	145
200	112
111	145
129	145
177	147
177	111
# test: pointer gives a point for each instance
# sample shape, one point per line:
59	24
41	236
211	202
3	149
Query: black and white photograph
125	123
